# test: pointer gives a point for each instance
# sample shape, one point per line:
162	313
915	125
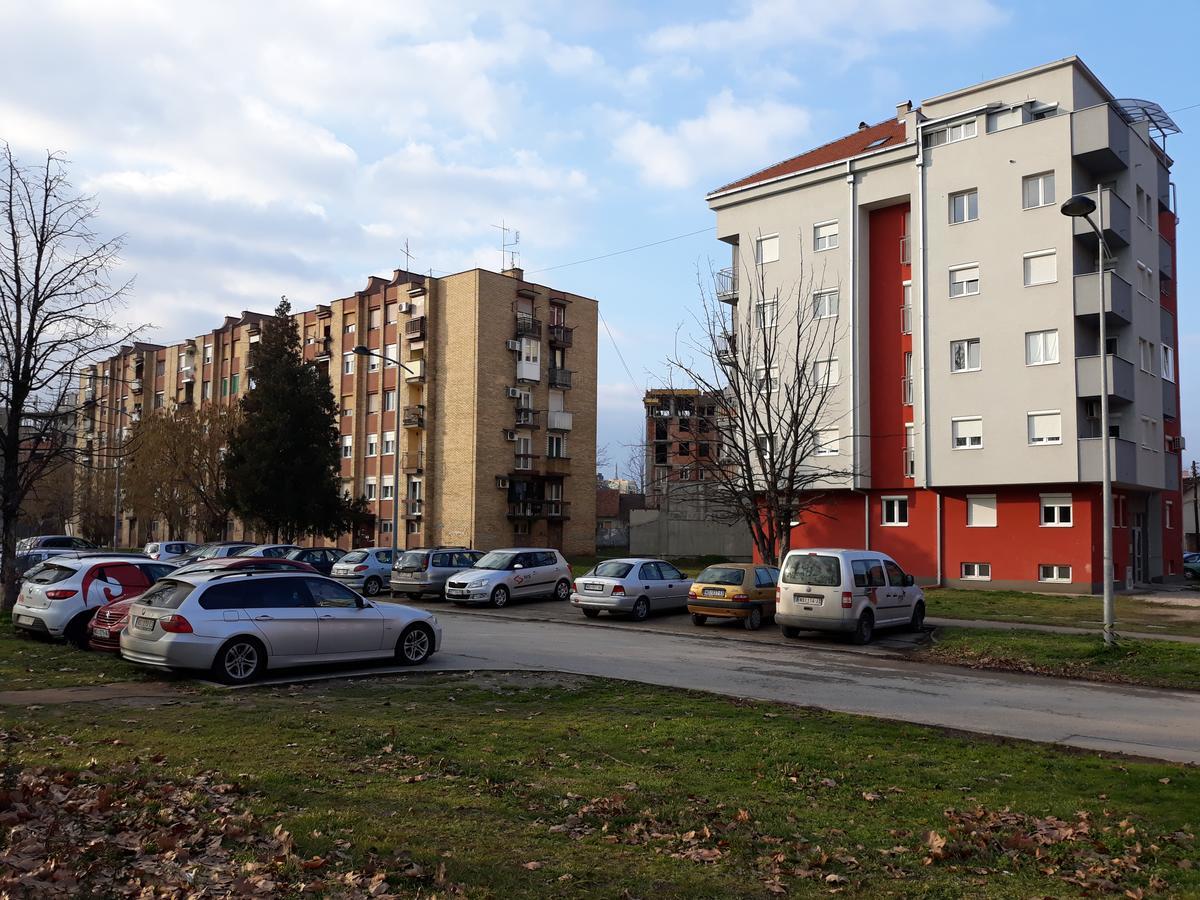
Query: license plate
712	592
141	623
101	633
592	586
24	620
809	599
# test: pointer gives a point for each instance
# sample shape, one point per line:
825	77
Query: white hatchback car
853	591
515	573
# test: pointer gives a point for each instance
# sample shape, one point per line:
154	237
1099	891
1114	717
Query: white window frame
766	312
389	443
1056	575
833	371
1038	254
766	249
767	379
389	400
984	499
889	511
966	198
208	353
829	239
954	445
966	346
1166	360
1029	422
974	571
372	445
906	307
371	488
392	352
1147	356
347	446
966	291
952	133
827	438
559	440
1150	434
531	350
1041	339
1169	514
826	303
1041	191
347	363
1057	503
373	363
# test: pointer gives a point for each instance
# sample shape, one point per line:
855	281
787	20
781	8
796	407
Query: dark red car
104	631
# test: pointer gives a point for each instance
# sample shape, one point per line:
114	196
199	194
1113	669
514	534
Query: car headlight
475	585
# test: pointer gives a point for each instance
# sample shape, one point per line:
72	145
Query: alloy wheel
241	661
416	645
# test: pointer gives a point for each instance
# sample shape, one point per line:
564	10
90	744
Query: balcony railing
414	329
412	461
527	418
906	319
557	465
525	509
523	462
726	349
558	420
416	370
136	386
560	378
413	416
528	326
905	250
906	390
561	335
557	509
910	462
187	374
727	285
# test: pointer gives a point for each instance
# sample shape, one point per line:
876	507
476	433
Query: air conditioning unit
510	435
513	345
501	482
514	393
406	308
1177	443
1091	409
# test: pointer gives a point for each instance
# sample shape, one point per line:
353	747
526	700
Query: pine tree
283	465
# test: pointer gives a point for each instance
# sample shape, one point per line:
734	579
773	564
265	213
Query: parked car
853	591
258	563
1191	565
366	569
215	549
320	558
517	572
734	591
169	550
24	561
274	551
238	624
425	570
59	597
632	587
53	542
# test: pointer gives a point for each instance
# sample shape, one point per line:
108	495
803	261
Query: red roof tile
887	133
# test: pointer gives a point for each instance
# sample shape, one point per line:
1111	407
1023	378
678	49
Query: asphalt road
670	652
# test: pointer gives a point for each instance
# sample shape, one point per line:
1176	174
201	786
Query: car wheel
562	590
698	619
865	629
500	597
591	613
415	645
372	586
918	616
753	622
76	632
239	661
641	610
790	631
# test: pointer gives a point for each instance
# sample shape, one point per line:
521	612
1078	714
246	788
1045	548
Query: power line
1183	108
620	356
580	262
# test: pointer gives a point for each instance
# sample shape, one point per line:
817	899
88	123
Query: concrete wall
677	530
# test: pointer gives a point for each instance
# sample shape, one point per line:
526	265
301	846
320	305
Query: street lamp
364	350
1081	206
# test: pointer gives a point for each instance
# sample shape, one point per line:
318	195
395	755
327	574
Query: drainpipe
939	538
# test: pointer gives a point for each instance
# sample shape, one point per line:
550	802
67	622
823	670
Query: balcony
1171	471
1117	222
1100	139
906	319
1118	297
523	462
525	509
527	418
725	351
413	416
558	420
556	465
416	370
529	371
905	250
412	462
727	285
1170	399
1164	188
414	509
557	509
89	395
187	374
324	348
561	336
1166	258
1121	377
414	329
909	462
135	386
1122	456
560	378
528	326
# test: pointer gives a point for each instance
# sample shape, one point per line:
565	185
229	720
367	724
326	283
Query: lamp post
1081	206
364	350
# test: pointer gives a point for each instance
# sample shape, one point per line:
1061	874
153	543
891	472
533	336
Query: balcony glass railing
906	319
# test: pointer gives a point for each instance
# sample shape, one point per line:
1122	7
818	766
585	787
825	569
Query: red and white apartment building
968	358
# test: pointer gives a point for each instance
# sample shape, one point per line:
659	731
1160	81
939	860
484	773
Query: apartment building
968	364
474	423
681	439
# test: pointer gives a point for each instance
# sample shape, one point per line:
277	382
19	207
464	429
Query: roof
888	133
608	503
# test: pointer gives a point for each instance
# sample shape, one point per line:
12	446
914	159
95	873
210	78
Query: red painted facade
888	343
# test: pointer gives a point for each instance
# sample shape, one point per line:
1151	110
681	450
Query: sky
252	150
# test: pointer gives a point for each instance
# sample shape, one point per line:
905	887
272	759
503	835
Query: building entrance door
1137	547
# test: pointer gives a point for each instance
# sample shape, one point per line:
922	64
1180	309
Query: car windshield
411	561
721	575
354	556
497	559
612	569
813	568
48	573
166	594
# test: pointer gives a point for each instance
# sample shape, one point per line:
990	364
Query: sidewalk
1057	629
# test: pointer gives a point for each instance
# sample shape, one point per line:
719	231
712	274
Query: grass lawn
1046	609
1155	663
533	785
27	663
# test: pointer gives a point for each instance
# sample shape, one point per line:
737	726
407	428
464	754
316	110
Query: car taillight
847	599
60	594
360	568
428	562
175	624
618	590
692	595
741	597
778	593
574	588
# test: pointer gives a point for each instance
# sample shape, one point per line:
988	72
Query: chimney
514	272
903	109
862	125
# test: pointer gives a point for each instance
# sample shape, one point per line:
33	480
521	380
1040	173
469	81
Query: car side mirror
909	581
517	566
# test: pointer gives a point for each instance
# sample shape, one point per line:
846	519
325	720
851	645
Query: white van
845	590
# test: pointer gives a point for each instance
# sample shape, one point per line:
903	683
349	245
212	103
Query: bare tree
57	308
767	367
635	465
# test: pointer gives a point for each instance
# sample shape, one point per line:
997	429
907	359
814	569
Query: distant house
612	515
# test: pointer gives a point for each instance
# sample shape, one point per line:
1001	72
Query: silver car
237	624
366	569
425	571
632	587
514	573
270	551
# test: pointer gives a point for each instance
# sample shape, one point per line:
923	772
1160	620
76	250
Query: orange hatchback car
734	591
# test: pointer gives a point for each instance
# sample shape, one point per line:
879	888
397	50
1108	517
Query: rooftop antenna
509	254
408	257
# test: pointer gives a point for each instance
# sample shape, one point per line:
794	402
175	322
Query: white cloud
729	136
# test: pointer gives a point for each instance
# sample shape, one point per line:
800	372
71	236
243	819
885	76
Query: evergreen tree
283	465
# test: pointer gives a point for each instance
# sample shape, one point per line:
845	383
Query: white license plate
592	586
24	620
712	592
809	599
141	623
101	633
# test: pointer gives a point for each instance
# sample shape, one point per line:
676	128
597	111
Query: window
1145	280
826	371
981	510
1045	427
966	433
347	406
906	383
964	206
765	444
825	236
895	511
556	446
976	571
828	440
867	572
906	309
766	249
391	313
234	381
1048	572
825	305
392	352
372	363
1150	433
964	355
372	487
768	380
964	281
531	350
1041	347
388	491
1169	513
1041	268
1037	190
374	319
160	398
1056	510
328	594
389	400
1003	118
224	387
372	403
950	134
389	443
347	446
766	312
1168	363
206	390
208	355
348	327
685	448
347	363
372	444
1148	355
